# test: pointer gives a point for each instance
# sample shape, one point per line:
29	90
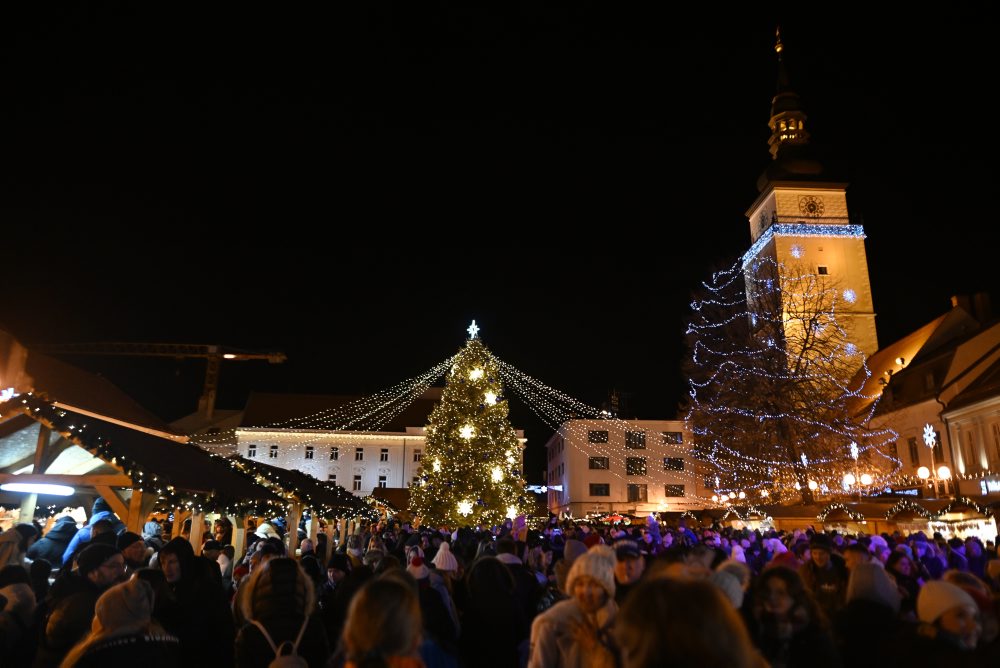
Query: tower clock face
812	206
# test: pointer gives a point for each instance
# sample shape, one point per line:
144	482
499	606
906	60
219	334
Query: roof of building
317	411
322	496
986	386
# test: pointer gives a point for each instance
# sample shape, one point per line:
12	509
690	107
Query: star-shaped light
854	451
805	460
465	508
436	465
490	398
511	512
497	474
473	330
476	374
467	431
930	438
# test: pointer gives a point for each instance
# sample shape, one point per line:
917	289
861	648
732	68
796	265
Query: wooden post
239	535
179	516
343	531
331	530
314	528
28	504
135	518
292	534
197	529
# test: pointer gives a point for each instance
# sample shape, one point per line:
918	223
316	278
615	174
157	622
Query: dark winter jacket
144	650
253	650
52	545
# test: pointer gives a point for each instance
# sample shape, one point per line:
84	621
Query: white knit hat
599	563
444	560
938	597
729	585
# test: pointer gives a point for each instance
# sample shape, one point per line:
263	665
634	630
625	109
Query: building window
383	455
359	454
635	440
334	454
637	493
599	463
673	490
382	482
332	477
673	464
357	483
273	452
600	489
252	450
673	437
310	451
597	436
822	270
914	450
635	466
417	454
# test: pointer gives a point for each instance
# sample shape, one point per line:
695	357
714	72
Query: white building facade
625	466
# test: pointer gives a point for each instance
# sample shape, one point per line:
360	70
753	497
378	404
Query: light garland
799	230
773	381
906	504
853	514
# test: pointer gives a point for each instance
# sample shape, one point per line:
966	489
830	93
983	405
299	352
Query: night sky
353	186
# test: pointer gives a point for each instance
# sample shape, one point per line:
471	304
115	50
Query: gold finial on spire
778	47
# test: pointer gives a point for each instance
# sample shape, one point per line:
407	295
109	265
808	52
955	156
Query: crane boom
213	354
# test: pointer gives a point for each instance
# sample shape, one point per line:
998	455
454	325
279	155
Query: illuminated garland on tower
773	381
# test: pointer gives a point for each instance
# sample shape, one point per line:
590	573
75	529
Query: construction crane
212	354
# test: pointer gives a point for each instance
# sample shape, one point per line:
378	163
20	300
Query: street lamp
851	480
936	473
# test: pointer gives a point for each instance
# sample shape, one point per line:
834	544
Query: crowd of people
566	595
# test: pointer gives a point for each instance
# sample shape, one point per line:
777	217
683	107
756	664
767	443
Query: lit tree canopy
471	467
773	378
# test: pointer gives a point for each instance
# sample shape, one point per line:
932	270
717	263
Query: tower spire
788	120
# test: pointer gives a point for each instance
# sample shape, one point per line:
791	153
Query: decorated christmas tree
776	404
471	467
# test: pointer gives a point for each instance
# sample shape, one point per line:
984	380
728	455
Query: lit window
382	482
635	466
673	490
597	437
635	440
273	453
252	450
309	452
673	464
383	455
600	463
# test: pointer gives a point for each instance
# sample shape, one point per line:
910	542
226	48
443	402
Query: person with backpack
281	630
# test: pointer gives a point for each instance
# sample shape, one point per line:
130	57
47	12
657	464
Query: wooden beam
115	501
44	434
136	518
292	518
99	480
239	535
197	529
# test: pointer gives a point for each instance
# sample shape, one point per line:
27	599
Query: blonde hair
383	620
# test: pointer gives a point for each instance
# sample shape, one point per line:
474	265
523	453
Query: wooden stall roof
180	474
321	496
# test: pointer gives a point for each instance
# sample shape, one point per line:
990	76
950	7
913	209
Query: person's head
383	619
27	535
102	564
176	559
780	593
279	588
629	562
132	547
591	578
338	568
820	547
101	526
870	582
683	623
211	549
951	609
900	564
855	554
126	607
487	578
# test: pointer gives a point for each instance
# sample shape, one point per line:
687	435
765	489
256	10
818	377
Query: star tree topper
473	330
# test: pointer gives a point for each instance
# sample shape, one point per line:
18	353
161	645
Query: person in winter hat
950	612
577	632
53	544
100	511
444	560
152	534
124	633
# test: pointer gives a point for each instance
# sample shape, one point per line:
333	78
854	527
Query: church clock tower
800	218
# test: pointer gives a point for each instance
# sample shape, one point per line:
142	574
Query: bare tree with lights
773	380
471	468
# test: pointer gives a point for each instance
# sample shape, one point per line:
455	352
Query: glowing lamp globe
813	485
866	479
743	495
715	498
923	473
849	479
944	473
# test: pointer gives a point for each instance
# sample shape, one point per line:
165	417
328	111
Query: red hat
591	540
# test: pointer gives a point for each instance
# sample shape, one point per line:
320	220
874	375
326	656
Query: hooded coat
100	511
52	545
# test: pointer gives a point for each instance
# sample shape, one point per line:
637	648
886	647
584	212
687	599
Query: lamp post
937	474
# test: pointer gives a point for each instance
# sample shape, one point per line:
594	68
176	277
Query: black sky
353	186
